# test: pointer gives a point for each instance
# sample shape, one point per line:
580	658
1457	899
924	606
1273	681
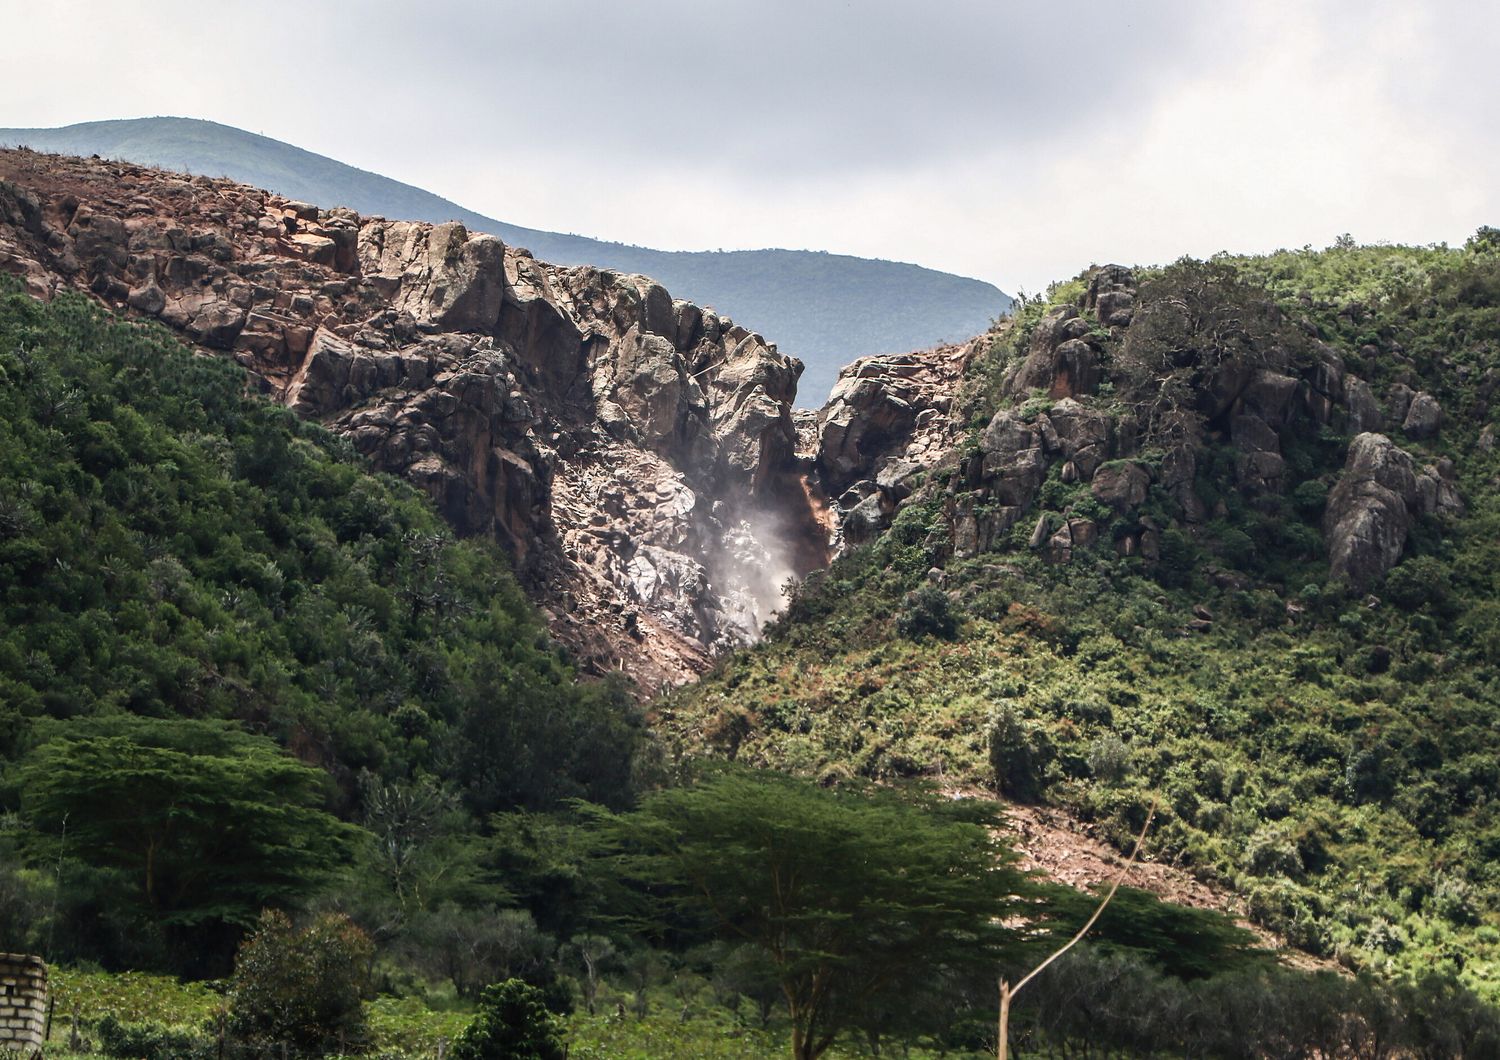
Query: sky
1013	142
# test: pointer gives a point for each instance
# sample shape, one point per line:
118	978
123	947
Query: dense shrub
513	1023
927	612
301	988
152	1041
1020	752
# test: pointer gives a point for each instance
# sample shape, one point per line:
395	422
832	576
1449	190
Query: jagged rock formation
889	420
634	453
1151	429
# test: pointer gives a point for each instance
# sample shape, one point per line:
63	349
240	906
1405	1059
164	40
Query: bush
1020	752
151	1041
1420	582
301	988
513	1023
1109	759
927	612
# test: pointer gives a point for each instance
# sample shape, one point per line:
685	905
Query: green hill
826	309
1329	751
237	670
171	549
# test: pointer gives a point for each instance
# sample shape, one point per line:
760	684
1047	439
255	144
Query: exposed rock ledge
635	453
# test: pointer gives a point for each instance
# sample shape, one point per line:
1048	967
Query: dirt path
1054	844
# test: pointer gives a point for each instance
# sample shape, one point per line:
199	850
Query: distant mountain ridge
826	309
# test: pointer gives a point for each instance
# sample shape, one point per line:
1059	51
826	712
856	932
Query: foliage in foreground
513	1023
197	821
301	989
1093	1001
863	909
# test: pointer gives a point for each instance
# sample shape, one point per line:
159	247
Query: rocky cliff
635	453
639	456
1099	423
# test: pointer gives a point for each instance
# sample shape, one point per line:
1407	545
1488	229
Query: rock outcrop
636	454
1378	498
1063	359
888	423
1065	457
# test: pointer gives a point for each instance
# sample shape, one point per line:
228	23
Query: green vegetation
313	699
300	989
190	579
179	824
1331	755
864	910
824	308
512	1023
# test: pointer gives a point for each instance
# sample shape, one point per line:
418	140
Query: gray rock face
1123	486
1111	295
635	454
888	420
1014	462
1363	411
1083	437
1060	361
437	273
1372	509
1368	514
1423	417
1399	399
1326	387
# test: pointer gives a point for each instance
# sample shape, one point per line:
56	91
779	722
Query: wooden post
1004	1019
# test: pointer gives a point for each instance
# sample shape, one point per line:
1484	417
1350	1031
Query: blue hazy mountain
825	308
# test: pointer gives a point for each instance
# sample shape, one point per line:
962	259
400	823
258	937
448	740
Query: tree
857	901
1200	332
594	953
197	822
300	988
513	1023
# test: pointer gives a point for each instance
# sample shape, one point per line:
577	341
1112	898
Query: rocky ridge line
635	453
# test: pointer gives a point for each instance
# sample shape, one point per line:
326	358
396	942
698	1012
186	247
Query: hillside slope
1222	534
825	309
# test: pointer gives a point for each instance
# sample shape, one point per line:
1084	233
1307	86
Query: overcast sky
1015	142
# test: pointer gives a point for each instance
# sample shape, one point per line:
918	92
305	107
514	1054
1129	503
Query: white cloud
1018	142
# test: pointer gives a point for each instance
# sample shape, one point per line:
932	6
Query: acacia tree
859	901
199	822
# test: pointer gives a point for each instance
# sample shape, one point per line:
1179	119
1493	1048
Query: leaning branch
1008	992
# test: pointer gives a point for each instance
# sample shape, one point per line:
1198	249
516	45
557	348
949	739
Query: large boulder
1082	434
1377	500
1014	462
1423	417
1122	485
439	274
